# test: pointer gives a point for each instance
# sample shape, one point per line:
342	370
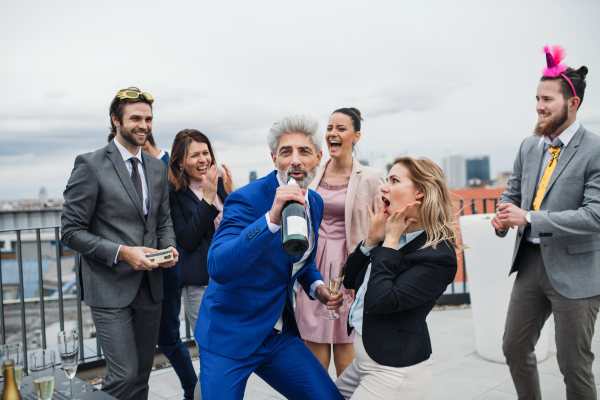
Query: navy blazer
251	276
402	289
193	222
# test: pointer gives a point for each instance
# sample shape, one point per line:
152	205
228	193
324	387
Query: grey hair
295	123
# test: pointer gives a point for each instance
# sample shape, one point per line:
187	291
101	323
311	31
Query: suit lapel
191	194
351	195
534	168
115	157
415	244
150	176
564	159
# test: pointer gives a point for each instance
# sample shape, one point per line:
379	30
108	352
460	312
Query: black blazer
193	222
403	288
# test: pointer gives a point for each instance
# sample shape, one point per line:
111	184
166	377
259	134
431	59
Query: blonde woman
408	259
345	186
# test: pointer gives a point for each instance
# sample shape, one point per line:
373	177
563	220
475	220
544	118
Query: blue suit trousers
282	360
168	335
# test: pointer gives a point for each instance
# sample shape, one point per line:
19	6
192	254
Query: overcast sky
431	78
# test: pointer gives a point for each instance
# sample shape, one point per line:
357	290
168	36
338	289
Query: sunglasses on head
130	94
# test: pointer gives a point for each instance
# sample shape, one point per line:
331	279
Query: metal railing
28	305
458	291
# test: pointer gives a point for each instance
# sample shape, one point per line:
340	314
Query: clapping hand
397	223
227	179
210	184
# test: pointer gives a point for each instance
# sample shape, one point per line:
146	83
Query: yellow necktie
555	151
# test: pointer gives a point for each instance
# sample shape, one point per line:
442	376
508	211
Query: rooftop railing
29	327
90	351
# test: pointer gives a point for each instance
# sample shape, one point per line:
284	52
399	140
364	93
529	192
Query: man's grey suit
102	211
562	275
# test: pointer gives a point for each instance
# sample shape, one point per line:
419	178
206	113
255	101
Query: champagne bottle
294	229
10	391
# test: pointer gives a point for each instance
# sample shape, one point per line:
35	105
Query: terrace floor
459	372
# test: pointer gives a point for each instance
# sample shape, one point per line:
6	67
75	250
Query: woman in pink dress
345	186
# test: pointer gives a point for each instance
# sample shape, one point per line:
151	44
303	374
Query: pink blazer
364	184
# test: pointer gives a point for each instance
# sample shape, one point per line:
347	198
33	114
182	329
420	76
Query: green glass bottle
294	229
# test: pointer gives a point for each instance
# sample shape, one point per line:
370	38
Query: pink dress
330	247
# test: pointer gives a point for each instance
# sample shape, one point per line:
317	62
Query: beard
552	124
309	175
130	137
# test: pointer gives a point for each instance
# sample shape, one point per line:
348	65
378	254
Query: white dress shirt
562	141
274	228
126	155
355	315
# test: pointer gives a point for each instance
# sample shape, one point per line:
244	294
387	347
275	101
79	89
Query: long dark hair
178	179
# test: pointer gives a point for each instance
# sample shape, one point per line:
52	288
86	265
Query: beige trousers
365	379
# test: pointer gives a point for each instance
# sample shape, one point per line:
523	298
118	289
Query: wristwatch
528	218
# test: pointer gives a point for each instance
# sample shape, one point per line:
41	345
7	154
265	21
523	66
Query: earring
180	168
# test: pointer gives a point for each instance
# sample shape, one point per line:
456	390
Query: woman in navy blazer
399	271
196	197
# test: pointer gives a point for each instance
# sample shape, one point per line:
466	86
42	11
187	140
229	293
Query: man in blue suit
246	321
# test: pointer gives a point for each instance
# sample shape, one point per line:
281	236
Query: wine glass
13	351
68	347
41	367
335	281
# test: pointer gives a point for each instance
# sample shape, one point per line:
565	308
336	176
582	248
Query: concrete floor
459	372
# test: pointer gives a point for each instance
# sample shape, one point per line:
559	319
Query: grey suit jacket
102	211
568	222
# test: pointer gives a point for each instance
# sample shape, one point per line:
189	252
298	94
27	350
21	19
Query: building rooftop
459	372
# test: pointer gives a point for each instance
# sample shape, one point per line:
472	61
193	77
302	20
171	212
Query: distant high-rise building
43	196
478	167
455	171
252	176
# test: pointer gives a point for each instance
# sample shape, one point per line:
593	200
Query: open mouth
543	117
202	170
297	175
334	145
386	204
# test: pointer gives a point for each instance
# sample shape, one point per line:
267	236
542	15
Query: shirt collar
409	237
281	183
126	154
565	137
161	154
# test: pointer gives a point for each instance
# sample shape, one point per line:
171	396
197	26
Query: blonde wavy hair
436	211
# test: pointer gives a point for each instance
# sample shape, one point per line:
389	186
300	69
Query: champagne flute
335	281
13	351
41	367
68	347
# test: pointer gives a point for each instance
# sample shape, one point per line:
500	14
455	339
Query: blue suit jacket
251	276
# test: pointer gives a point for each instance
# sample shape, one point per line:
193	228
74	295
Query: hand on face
377	227
397	223
210	184
227	180
282	196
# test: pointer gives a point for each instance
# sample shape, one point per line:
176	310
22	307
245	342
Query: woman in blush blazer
346	187
196	198
399	271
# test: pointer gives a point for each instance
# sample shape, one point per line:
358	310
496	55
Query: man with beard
116	210
246	321
553	197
